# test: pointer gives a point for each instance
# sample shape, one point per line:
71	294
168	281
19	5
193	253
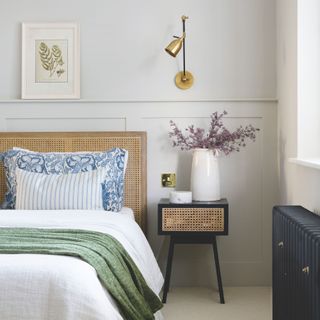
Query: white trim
245	100
310	163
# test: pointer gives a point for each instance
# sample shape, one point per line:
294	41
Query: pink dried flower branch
218	137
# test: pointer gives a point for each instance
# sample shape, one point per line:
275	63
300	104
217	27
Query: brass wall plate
182	83
168	180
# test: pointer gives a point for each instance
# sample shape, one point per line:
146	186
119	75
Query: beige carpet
242	303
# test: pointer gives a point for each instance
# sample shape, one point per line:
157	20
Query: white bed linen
45	287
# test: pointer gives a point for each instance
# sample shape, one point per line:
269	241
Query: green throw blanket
115	268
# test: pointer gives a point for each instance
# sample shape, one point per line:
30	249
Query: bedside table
196	222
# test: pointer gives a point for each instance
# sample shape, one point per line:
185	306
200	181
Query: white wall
127	84
287	94
298	185
308	46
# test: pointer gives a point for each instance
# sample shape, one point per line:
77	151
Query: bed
48	287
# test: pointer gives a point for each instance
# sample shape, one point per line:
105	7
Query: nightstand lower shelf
189	239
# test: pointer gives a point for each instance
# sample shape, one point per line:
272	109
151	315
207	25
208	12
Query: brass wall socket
168	180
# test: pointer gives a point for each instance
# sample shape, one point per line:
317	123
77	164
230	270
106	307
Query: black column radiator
296	256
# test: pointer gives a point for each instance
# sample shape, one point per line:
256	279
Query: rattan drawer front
193	219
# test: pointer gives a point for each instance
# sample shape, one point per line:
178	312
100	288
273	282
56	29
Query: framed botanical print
50	61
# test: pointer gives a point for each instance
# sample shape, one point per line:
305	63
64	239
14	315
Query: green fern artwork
50	61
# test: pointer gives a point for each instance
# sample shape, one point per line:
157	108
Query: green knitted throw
115	268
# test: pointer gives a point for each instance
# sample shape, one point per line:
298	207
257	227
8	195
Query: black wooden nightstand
196	222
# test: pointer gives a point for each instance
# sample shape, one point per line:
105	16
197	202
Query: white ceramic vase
205	178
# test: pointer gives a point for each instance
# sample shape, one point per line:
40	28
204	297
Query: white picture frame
50	61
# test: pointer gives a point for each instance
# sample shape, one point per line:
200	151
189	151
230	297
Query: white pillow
38	191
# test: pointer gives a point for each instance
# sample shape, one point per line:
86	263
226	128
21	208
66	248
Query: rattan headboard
134	142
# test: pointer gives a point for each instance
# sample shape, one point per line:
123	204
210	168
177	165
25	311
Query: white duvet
45	287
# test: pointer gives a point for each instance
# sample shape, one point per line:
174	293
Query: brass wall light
183	79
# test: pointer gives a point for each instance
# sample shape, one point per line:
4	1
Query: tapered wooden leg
168	271
216	260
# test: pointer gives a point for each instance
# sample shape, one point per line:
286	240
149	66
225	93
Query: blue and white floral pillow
114	160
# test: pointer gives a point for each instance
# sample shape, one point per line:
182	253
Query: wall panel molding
67	123
249	177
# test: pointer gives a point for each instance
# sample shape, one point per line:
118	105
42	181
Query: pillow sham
113	160
74	153
38	191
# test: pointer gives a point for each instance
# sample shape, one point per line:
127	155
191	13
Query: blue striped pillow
38	191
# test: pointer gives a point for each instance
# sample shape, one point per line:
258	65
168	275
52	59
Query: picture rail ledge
248	100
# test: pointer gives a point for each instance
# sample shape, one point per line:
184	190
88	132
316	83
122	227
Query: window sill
307	162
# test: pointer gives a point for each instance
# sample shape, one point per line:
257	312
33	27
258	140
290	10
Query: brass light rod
184	45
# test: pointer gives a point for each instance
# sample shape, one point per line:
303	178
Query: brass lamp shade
174	47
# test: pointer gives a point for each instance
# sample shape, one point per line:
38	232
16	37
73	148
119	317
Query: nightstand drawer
196	218
193	219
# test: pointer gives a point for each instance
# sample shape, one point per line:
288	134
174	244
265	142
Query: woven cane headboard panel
134	142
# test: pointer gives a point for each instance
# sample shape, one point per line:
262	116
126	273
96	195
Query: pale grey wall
230	46
127	84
